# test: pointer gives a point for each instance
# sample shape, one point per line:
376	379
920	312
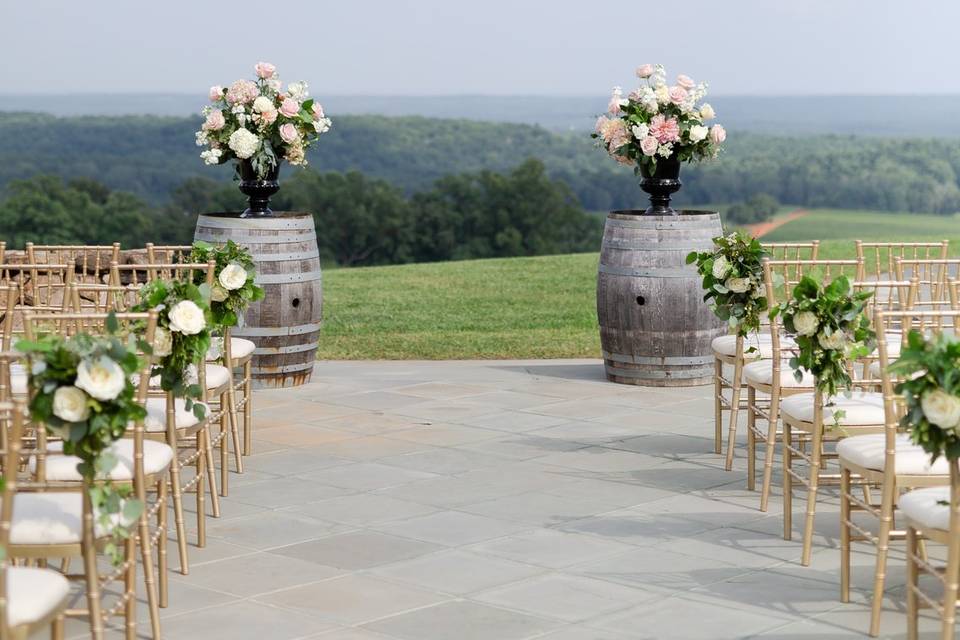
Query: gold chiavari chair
90	262
142	464
879	258
168	418
237	351
730	351
39	286
808	425
31	598
933	275
760	347
888	460
933	514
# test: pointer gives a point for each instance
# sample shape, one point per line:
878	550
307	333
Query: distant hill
916	116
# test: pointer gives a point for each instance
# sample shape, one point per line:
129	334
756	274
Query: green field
506	308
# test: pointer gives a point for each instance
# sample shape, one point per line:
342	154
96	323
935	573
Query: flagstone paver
504	500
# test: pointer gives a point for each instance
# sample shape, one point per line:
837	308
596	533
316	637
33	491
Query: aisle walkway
502	501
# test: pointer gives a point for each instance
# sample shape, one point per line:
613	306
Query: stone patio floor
504	500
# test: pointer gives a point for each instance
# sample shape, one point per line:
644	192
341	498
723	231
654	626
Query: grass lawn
540	307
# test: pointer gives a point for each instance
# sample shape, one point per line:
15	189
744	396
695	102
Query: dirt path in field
763	228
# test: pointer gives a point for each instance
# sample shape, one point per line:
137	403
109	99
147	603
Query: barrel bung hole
295	302
641	300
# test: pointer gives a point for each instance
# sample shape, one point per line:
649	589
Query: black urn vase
258	191
664	181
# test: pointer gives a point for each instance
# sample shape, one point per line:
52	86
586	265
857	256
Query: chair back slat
880	257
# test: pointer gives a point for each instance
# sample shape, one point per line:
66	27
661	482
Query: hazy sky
431	47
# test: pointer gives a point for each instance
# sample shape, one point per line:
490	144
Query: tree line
151	156
360	220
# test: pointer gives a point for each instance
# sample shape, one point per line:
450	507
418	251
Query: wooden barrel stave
285	325
655	329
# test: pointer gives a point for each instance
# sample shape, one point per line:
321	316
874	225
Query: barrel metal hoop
281	278
655	246
293	348
295	330
656	224
667	360
284	369
269	224
253	238
282	257
651	374
648	273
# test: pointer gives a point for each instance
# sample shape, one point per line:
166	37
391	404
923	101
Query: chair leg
130	589
717	406
734	411
787	483
913	583
56	629
149	579
816	449
224	451
201	471
751	440
771	447
210	468
162	560
248	407
177	490
950	587
844	534
90	571
889	490
234	425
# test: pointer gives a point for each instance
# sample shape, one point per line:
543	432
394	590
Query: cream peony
103	379
806	323
737	285
720	268
187	318
662	94
70	404
162	343
263	103
941	408
244	143
706	112
233	276
218	293
836	341
698	132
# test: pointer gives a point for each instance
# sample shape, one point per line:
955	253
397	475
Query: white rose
837	340
70	404
233	276
706	112
737	285
218	293
162	342
806	323
941	408
720	268
187	318
103	379
244	143
262	103
698	132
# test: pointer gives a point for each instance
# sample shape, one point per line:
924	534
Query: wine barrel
655	329
285	325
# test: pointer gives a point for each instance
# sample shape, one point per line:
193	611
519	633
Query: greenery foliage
831	330
733	280
931	368
228	311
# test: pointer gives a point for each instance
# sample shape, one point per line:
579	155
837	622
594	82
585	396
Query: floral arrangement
831	329
733	280
182	337
659	121
930	388
257	120
82	392
234	288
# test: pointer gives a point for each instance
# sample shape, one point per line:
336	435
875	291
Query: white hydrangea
244	143
665	150
322	125
211	156
640	131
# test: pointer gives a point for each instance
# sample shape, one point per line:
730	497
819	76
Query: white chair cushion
18	380
217	376
34	594
48	518
761	372
863	408
239	348
762	343
924	507
157	415
156	457
868	451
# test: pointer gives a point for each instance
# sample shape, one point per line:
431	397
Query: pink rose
685	81
317	111
644	71
242	92
664	130
717	134
678	95
216	93
265	70
268	117
649	145
215	121
289	133
289	107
